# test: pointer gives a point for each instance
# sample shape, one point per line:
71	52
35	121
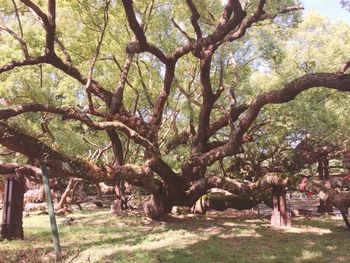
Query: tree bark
157	205
12	220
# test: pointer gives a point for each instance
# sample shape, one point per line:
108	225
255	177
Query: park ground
229	236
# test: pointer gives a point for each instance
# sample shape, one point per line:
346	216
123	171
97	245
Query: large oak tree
152	90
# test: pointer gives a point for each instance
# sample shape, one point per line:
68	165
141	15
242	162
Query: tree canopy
170	96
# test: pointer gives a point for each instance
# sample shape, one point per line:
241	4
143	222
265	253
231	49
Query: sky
329	8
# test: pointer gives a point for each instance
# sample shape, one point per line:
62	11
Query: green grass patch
97	236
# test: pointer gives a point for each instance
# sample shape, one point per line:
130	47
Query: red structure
12	218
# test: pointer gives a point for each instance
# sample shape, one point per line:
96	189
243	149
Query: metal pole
54	230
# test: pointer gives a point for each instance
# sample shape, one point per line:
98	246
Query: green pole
54	230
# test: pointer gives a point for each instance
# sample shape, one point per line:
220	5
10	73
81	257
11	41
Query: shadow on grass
246	240
215	237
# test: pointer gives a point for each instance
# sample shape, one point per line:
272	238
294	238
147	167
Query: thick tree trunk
156	206
12	219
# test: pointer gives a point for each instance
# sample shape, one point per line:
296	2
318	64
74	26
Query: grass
97	236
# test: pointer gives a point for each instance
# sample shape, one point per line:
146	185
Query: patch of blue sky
329	8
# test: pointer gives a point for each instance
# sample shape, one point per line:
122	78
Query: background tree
345	4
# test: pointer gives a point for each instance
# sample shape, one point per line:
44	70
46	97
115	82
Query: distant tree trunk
12	220
76	185
122	194
121	203
320	168
69	191
98	190
65	194
323	173
280	216
326	168
2	187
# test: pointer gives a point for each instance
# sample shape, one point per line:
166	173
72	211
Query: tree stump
12	219
280	216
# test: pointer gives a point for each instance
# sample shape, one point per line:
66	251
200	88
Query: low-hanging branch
286	94
64	166
236	187
80	116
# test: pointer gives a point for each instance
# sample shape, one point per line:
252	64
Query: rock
33	196
106	189
35	206
295	212
63	211
98	203
69	220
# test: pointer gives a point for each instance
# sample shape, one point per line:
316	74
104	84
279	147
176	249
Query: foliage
345	4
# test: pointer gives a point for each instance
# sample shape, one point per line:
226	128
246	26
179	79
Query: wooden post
12	219
280	216
51	211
